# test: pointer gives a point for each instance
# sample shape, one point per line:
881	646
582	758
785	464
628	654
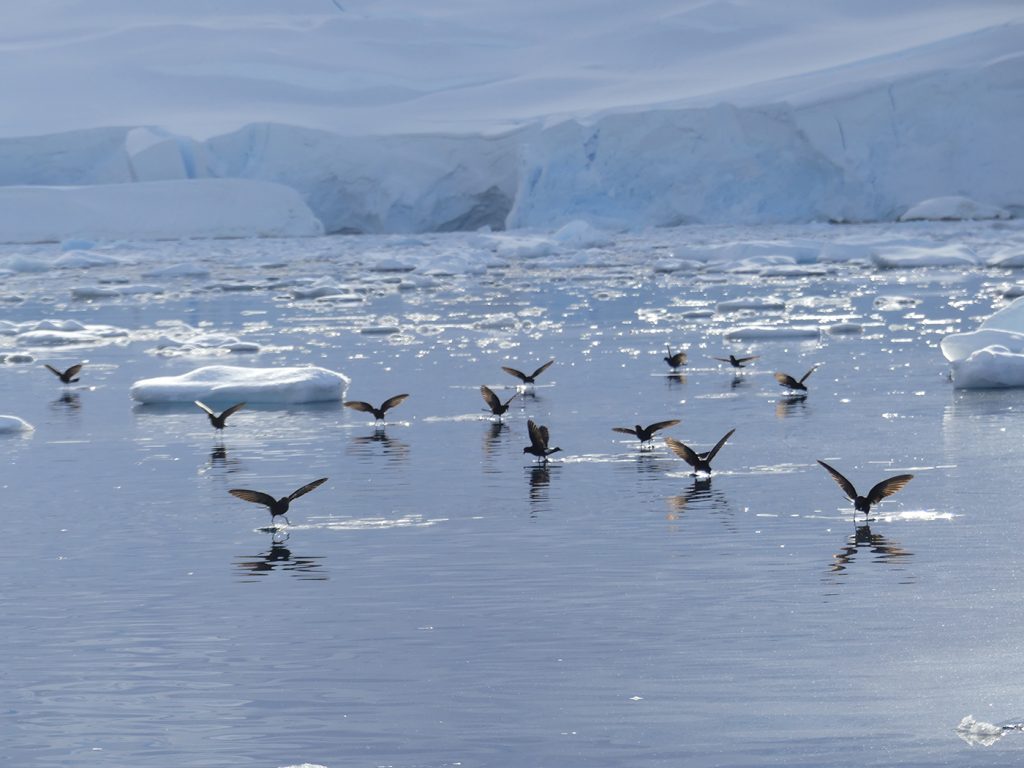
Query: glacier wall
863	154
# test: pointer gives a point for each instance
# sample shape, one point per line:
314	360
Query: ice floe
52	333
184	340
768	332
221	383
12	425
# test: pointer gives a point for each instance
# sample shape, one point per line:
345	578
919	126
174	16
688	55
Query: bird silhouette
278	507
701	462
70	376
378	413
878	492
736	362
218	421
527	379
788	381
646	434
497	407
539	442
676	360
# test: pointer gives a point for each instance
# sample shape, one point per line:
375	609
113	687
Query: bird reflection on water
367	446
863	538
540	483
68	401
279	558
791	405
700	495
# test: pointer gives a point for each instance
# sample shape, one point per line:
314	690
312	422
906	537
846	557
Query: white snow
953	208
153	210
577	117
993	355
221	383
13	424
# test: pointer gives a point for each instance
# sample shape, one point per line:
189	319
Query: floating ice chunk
752	302
1001	339
773	332
187	269
953	208
19	263
222	383
894	303
90	292
1013	291
838	329
12	424
85	259
525	247
1012	258
756	254
391	265
696	314
16	358
911	256
978	732
191	342
668	266
66	332
77	244
793	270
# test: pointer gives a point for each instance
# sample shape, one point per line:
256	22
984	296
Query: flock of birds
540	446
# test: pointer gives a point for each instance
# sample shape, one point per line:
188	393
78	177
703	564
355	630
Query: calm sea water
442	600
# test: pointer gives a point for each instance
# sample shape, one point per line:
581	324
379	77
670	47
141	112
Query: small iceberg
954	208
222	383
992	356
912	256
767	332
10	425
978	733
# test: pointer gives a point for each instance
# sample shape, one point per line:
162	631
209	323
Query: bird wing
804	377
229	411
679	358
718	446
53	370
306	488
205	407
625	430
490	398
747	359
359	405
543	368
538	440
545	436
787	381
661	425
512	371
256	497
73	370
887	488
846	485
511	399
722	359
391	402
683	451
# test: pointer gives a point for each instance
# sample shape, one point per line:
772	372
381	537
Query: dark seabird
528	379
277	506
676	360
497	407
539	442
788	381
646	434
736	362
701	462
70	376
875	495
378	413
218	421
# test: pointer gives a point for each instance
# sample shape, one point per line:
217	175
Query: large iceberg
229	384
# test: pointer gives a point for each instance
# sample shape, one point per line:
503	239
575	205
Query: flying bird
70	376
278	507
646	434
378	413
539	442
497	407
676	360
876	494
701	462
736	362
218	421
788	381
527	379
